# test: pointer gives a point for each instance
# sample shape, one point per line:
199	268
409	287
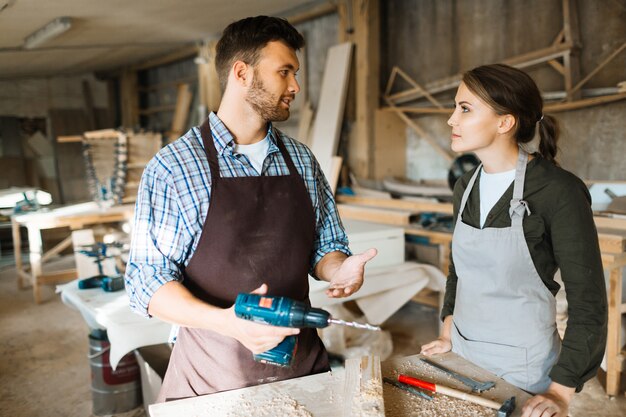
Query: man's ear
241	72
506	124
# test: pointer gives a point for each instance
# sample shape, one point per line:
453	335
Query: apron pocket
508	362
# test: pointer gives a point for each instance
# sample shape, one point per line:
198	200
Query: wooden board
329	114
363	388
375	214
323	395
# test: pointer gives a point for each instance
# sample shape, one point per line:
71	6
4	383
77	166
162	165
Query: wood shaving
283	405
399	403
370	400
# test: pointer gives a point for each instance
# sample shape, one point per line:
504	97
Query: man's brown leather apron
257	230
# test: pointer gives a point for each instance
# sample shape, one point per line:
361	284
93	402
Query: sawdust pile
282	405
369	401
399	403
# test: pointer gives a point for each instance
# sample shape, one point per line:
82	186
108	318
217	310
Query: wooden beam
313	13
599	67
421	132
367	56
571	60
418	110
553	62
129	98
521	61
587	102
181	53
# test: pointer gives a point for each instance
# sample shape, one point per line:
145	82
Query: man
236	206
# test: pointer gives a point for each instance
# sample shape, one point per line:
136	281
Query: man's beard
267	106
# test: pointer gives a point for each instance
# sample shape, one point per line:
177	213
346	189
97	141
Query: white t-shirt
492	186
255	152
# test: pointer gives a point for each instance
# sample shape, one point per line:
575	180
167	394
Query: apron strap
517	205
209	149
467	192
286	156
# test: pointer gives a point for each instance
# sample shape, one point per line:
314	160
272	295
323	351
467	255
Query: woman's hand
552	403
439	345
443	343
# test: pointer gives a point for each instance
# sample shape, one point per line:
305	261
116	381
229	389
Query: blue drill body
283	312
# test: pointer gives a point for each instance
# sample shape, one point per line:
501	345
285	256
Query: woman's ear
506	123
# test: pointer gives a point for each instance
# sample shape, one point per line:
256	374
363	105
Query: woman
519	218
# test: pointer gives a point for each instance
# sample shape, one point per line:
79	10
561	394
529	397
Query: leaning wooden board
322	395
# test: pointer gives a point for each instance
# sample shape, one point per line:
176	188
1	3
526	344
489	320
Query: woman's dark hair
243	40
511	91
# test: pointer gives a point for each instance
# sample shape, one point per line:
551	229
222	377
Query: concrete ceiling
108	34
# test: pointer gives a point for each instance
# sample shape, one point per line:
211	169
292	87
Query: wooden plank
405	404
587	102
612	240
333	179
327	126
69	139
363	390
603	222
181	112
56	277
377	215
322	395
305	119
389	159
614	332
399	204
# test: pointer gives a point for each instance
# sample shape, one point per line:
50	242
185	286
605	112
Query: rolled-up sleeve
159	239
330	234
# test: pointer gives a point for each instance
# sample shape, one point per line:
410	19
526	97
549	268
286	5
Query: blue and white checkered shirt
174	196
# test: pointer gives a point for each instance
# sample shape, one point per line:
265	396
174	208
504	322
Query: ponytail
548	133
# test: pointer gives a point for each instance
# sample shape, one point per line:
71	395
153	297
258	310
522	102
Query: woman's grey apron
258	230
504	315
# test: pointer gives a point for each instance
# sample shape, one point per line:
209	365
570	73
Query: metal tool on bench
476	386
408	388
98	251
504	410
285	312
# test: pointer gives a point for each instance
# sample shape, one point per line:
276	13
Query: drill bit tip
364	326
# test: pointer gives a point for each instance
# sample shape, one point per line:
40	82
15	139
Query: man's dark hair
243	40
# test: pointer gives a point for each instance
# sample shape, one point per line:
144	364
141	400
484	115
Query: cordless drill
285	312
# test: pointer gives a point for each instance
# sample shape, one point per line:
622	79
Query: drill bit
354	324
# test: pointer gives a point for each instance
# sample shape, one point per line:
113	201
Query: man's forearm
174	303
329	264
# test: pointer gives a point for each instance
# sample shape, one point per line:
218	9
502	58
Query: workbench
109	311
74	217
330	394
611	237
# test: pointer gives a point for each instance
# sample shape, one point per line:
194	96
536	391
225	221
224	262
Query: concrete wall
33	97
434	39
